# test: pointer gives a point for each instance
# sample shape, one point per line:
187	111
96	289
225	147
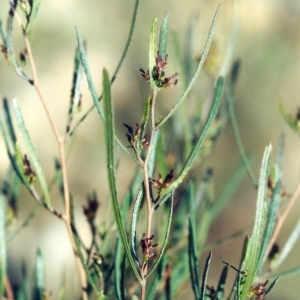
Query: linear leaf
204	275
270	288
193	155
152	53
275	201
39	276
10	45
237	136
3	256
288	247
135	213
221	284
32	151
79	251
199	67
193	253
162	251
159	275
251	261
134	18
163	37
111	172
117	266
93	90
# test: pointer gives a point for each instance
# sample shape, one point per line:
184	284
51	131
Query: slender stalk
61	144
144	268
146	164
282	219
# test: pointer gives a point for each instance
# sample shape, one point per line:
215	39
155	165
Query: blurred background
268	46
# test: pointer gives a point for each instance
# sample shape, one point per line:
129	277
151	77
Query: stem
144	268
61	144
146	164
282	219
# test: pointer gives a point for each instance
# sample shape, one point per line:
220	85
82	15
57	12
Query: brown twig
282	218
66	217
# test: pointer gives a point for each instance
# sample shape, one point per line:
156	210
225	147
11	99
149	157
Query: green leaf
274	204
144	120
117	265
76	88
162	251
3	256
134	18
9	122
237	136
288	247
159	275
79	251
204	276
32	151
193	262
10	46
111	172
135	214
93	90
39	276
199	67
152	53
270	288
193	155
34	7
289	119
163	37
251	261
221	284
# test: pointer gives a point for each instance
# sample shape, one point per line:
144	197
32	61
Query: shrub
161	225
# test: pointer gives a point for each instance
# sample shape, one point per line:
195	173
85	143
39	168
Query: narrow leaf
159	275
79	251
221	284
193	253
117	265
288	247
93	90
254	249
204	275
111	172
163	37
193	155
10	45
135	214
271	287
162	251
237	136
3	256
134	18
32	151
199	67
39	276
274	204
152	53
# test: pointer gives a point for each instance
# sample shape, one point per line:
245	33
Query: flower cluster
134	136
28	172
158	73
91	209
160	184
147	246
259	291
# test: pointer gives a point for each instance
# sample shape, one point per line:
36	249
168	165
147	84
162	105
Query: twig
61	144
282	218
